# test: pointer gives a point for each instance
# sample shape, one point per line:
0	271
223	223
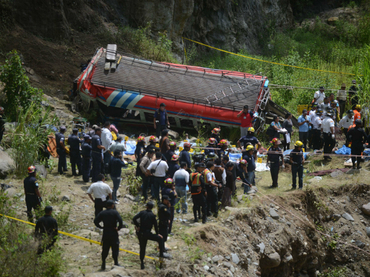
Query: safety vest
205	172
195	182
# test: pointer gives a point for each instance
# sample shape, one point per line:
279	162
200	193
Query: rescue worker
144	164
229	187
216	134
101	192
173	165
199	193
212	197
345	123
170	152
32	193
251	165
327	129
164	218
185	156
96	155
210	148
144	222
225	160
74	152
61	150
86	158
316	129
357	113
220	176
170	191
242	173
223	151
274	154
139	153
357	137
152	143
249	139
160	120
116	165
112	223
2	123
297	161
46	228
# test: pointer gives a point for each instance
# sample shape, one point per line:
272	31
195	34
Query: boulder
348	217
366	208
336	174
274	214
65	198
41	170
270	261
7	164
11	192
235	258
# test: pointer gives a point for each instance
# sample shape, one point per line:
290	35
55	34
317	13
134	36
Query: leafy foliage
19	93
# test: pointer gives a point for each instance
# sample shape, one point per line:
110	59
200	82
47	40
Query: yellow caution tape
74	236
264	61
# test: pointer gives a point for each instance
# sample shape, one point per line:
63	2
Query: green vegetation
341	47
334	272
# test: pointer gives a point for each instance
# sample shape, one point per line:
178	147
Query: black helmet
211	155
349	112
358	122
329	112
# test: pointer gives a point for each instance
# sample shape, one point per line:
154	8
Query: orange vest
205	172
357	115
195	181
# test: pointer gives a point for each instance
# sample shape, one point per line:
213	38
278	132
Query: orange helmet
224	142
140	138
274	140
168	182
31	169
187	144
172	143
175	158
216	131
153	139
243	162
212	141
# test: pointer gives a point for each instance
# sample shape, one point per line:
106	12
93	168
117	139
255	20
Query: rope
264	61
74	236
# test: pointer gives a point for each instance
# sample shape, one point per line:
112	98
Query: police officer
61	150
31	191
316	129
86	158
74	152
144	222
327	129
212	197
97	148
46	226
110	218
297	161
358	138
198	192
273	156
164	217
251	165
170	191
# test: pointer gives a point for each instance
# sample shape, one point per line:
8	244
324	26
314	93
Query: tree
19	93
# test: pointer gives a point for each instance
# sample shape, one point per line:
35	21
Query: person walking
327	129
157	170
345	123
303	123
357	137
199	193
246	117
229	187
160	120
144	222
169	190
106	141
164	218
316	130
97	148
86	158
32	193
116	165
74	152
61	150
212	197
144	164
274	155
297	161
288	125
112	223
181	179
46	229
101	192
342	99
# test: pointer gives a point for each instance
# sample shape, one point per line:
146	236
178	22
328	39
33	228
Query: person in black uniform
297	161
273	156
61	150
144	222
46	226
110	218
170	152
74	152
211	186
170	191
199	193
97	147
358	138
32	193
86	158
164	217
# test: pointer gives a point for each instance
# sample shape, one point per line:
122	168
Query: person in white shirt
345	123
181	179
312	115
106	141
157	170
316	130
101	191
327	128
117	145
319	96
